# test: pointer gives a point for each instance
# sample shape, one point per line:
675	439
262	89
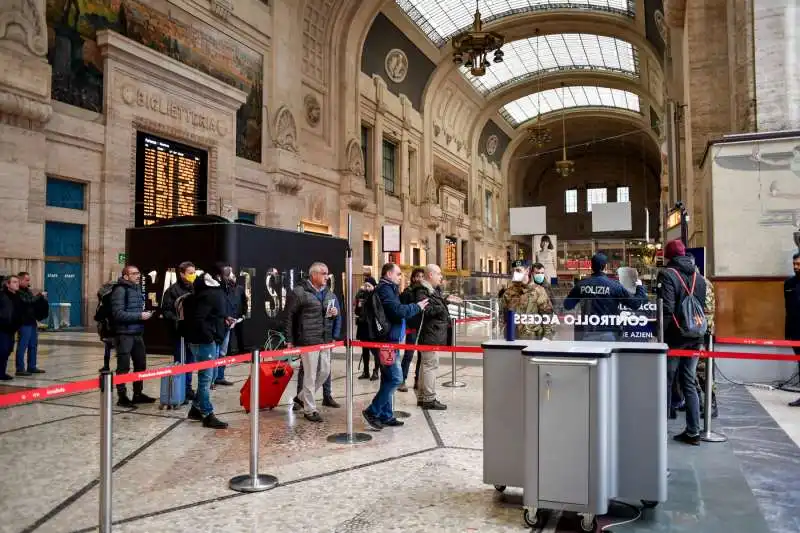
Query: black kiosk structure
268	262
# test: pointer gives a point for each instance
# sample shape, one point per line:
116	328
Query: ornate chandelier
538	135
471	48
565	167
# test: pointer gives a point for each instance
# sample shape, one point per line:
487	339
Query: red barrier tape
420	347
756	342
472	319
46	393
733	355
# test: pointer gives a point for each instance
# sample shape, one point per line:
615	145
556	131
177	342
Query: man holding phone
312	317
129	316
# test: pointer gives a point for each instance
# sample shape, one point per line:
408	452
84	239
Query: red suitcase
274	378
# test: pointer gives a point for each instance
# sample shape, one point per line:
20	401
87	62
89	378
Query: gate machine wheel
500	488
649	504
533	517
588	523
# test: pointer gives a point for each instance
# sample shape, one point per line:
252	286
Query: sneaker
212	422
6	377
22	373
795	403
402	387
36	371
393	423
142	398
224	383
364	375
435	405
313	417
190	395
298	404
375	376
328	401
685	438
195	414
371	421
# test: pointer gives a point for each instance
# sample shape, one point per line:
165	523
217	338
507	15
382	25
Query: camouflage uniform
710	308
527	300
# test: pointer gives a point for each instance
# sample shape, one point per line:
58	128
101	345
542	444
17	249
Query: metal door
63	270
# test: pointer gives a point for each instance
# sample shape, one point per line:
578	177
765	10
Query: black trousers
365	352
130	347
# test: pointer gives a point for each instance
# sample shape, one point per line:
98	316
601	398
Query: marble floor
172	474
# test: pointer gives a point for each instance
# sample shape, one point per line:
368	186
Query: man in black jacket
183	286
129	316
407	297
34	308
10	321
675	282
236	303
432	332
791	297
312	317
204	317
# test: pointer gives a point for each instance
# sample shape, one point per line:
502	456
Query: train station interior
469	134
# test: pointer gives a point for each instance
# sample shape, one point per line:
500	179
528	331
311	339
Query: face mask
191	277
518	277
538	278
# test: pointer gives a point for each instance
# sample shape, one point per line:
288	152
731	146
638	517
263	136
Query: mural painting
77	64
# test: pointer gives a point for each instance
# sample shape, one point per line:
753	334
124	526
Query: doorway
63	273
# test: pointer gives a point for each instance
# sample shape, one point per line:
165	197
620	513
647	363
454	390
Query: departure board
171	180
450	253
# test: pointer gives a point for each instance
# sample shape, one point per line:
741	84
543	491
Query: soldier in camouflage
526	299
710	308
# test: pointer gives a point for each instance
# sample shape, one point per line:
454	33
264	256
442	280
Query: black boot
714	410
375	375
123	400
212	422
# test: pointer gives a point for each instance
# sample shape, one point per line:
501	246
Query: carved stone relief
288	185
355	159
396	65
313	110
430	190
491	144
285	130
222	8
23	21
317	207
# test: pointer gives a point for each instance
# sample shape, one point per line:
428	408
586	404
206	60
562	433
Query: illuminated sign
674	219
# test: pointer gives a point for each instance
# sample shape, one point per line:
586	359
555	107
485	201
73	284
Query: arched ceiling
441	19
527	58
530	106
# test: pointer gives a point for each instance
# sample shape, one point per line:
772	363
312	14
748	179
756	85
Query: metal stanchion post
106	461
254	482
660	319
453	383
707	435
349	437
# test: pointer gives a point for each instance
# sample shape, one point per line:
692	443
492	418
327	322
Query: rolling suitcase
274	378
173	388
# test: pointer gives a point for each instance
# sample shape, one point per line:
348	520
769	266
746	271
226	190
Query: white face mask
518	276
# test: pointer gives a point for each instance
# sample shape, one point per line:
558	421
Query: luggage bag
173	388
273	379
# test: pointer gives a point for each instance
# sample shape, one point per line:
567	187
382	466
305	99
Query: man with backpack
173	298
128	317
683	293
385	319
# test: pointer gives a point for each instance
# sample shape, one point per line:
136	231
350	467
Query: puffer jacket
435	319
672	291
306	322
127	305
204	312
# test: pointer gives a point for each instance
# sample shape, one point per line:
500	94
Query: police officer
601	296
525	298
791	297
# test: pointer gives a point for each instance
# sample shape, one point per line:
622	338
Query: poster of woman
544	248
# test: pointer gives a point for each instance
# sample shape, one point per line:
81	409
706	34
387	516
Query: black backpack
102	315
689	315
375	321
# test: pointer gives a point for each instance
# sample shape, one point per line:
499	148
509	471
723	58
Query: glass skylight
565	51
524	109
441	19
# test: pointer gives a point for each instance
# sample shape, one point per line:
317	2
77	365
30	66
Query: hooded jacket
204	312
672	292
127	305
435	319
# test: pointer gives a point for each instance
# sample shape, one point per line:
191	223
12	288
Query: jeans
28	340
6	345
391	378
684	369
130	347
408	356
202	399
326	387
318	366
189	358
219	372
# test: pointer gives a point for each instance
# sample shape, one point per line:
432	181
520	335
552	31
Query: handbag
387	356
